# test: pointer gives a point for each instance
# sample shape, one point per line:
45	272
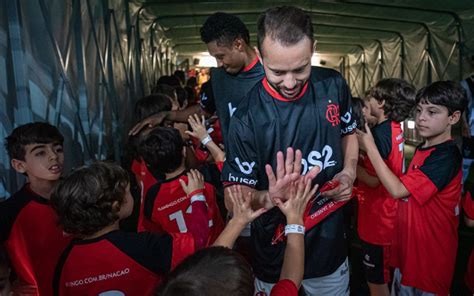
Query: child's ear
381	104
116	206
454	118
18	165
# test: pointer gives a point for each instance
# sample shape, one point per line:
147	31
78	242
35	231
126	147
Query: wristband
196	192
294	228
198	197
206	140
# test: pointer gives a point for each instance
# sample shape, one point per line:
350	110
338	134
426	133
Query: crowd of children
61	235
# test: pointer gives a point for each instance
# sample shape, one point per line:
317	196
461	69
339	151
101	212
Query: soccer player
307	108
28	224
227	39
391	102
167	204
426	236
90	202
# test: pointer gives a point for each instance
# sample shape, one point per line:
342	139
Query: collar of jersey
251	65
279	97
35	196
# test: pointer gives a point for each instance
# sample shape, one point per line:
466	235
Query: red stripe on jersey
251	65
279	97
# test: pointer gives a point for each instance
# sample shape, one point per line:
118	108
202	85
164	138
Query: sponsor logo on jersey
231	109
245	167
98	278
321	159
241	180
349	128
332	114
346	118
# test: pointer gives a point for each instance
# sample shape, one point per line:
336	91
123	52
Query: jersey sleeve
348	120
437	171
284	288
468	205
383	139
241	164
206	98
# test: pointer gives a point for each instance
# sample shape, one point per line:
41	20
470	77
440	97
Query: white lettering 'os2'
245	167
320	159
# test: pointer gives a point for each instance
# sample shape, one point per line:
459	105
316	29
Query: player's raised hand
195	182
241	206
365	139
299	194
149	122
198	126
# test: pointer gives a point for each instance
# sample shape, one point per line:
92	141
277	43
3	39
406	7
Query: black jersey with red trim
32	237
229	90
126	263
314	123
426	237
377	208
168	208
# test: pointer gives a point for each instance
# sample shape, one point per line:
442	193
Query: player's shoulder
321	74
446	152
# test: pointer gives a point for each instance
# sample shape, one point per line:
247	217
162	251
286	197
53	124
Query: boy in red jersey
426	237
90	203
166	203
28	227
468	207
390	102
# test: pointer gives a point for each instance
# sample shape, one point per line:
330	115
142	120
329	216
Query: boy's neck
103	231
176	172
43	188
251	55
438	139
381	118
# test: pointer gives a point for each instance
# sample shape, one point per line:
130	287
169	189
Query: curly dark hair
162	150
84	200
31	133
224	28
445	93
211	271
150	105
399	97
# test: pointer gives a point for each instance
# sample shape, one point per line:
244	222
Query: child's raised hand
198	126
195	182
300	192
365	139
241	206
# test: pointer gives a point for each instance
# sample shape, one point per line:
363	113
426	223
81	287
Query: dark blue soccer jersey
228	91
314	123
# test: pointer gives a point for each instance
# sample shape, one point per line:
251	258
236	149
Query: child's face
375	107
42	162
433	120
366	111
126	208
4	281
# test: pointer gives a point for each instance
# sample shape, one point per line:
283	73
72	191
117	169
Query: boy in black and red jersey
166	203
391	102
426	237
28	224
90	203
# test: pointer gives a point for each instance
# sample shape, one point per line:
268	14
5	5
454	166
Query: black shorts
375	259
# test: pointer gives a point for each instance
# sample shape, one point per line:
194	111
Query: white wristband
206	140
198	197
294	228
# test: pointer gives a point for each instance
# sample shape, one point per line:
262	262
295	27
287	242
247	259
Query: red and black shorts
375	259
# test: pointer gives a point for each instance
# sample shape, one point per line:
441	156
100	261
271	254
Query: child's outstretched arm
200	132
199	224
391	182
299	194
243	214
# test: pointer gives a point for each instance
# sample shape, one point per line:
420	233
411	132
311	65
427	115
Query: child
165	203
90	202
220	271
28	225
4	273
390	102
426	235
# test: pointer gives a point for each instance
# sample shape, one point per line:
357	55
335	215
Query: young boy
426	235
90	203
28	225
165	203
390	102
5	271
